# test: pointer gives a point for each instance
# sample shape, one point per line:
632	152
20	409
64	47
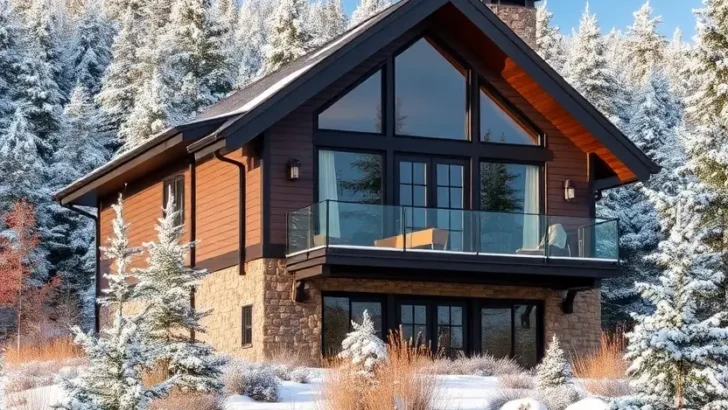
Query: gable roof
248	112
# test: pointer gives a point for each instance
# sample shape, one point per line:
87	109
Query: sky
615	13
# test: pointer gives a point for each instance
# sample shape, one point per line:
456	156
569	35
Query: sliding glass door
511	330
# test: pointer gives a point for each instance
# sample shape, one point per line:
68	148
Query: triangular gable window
431	93
498	126
359	110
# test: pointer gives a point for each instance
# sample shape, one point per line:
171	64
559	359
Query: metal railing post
328	222
404	229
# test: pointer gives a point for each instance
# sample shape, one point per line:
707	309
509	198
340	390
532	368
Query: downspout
97	279
241	209
193	230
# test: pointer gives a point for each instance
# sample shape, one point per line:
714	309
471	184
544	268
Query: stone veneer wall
522	20
282	325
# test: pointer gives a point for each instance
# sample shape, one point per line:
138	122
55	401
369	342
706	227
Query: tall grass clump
603	371
54	350
399	382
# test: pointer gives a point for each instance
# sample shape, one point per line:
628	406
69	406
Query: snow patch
591	403
523	404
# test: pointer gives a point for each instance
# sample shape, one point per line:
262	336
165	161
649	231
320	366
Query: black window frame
247	326
517	115
177	185
511	304
355	297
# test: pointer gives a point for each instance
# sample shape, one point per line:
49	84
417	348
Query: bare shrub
606	362
31	375
499	397
400	382
608	387
516	381
186	401
477	365
300	375
292	358
558	398
255	380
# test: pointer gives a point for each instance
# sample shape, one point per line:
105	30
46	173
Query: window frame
177	183
511	304
355	297
245	326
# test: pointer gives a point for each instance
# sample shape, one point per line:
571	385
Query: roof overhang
164	148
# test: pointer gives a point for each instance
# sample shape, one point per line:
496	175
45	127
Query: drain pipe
97	279
241	208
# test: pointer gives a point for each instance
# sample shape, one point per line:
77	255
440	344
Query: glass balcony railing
413	229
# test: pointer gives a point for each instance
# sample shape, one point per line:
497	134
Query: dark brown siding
292	137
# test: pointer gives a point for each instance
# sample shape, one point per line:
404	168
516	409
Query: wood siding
292	137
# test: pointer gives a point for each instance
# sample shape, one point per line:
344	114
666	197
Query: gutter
241	208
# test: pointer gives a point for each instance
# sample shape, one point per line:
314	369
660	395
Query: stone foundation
282	326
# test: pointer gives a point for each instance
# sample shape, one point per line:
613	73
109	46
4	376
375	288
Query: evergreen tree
677	57
368	8
72	235
677	353
91	47
252	35
122	82
195	58
587	71
554	369
645	47
549	41
10	57
499	194
335	18
45	33
171	321
315	22
363	348
151	114
655	117
118	357
289	38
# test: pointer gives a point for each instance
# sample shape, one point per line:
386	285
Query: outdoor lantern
569	193
294	169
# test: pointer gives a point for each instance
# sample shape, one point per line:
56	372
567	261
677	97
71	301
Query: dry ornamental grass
53	350
604	371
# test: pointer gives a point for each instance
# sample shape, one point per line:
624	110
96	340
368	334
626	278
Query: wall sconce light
294	169
569	192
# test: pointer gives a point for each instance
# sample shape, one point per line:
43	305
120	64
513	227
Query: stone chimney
519	15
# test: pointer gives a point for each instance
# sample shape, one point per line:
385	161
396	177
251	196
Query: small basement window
176	187
247	325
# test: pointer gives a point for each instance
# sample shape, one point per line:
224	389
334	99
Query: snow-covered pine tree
655	116
587	71
119	355
554	369
368	8
336	19
677	353
252	35
289	38
549	41
10	56
23	168
645	46
91	47
363	348
45	32
315	22
676	60
227	13
171	320
123	79
81	150
151	114
195	58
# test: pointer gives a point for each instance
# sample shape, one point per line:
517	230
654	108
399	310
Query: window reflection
338	313
497	125
430	90
359	110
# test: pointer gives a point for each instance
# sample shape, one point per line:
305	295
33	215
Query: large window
176	188
352	182
511	331
497	125
359	110
338	312
430	92
511	195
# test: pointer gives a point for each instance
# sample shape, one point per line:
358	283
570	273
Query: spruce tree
171	320
10	57
677	353
554	369
120	354
587	70
152	113
289	38
336	19
677	58
368	8
549	41
45	32
645	47
252	36
363	348
91	47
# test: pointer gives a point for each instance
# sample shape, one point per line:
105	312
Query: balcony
353	239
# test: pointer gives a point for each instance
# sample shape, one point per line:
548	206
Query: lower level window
511	331
247	325
339	312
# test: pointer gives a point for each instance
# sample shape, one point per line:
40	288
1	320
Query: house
426	166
